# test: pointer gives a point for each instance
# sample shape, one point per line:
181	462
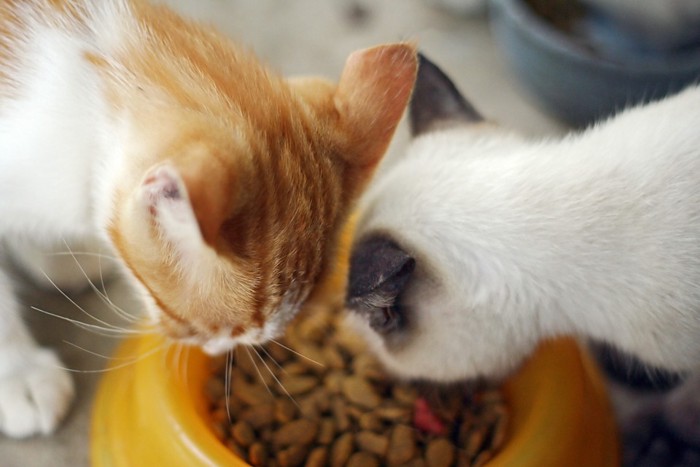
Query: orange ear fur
372	95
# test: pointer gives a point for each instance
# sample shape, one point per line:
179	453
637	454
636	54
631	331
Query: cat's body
480	243
219	185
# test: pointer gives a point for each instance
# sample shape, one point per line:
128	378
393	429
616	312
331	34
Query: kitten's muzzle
379	272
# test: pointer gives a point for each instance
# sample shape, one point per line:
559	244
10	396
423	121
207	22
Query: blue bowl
583	77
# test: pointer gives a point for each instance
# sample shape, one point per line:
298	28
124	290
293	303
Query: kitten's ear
371	97
187	203
437	101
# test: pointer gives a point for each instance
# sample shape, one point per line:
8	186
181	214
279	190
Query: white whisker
83	253
227	384
96	354
273	360
75	304
297	353
262	380
101	294
116	367
108	332
277	380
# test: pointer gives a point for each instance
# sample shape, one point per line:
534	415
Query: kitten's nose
379	271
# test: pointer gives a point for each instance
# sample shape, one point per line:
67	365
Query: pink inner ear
162	183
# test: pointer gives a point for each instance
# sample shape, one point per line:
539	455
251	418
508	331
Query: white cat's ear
436	101
372	96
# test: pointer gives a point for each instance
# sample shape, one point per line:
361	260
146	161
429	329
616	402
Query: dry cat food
327	402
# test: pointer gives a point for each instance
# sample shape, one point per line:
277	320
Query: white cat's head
424	287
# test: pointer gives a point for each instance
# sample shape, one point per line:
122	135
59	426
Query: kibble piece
251	394
359	391
259	415
294	367
326	431
236	449
372	442
417	462
440	453
340	414
285	410
297	384
333	382
369	421
333	358
404	394
243	433
317	457
476	440
293	456
393	413
257	454
482	458
363	459
402	445
342	449
302	431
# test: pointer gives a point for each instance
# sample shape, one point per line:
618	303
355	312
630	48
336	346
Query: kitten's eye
392	320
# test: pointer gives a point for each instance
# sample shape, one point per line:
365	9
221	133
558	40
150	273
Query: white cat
479	243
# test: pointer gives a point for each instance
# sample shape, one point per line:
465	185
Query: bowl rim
550	37
154	413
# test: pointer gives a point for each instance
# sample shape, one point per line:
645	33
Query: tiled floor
300	37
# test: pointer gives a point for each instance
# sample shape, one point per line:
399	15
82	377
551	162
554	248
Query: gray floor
296	37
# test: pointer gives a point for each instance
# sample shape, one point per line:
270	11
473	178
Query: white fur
596	234
60	159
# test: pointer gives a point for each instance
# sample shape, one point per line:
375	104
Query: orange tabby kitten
220	185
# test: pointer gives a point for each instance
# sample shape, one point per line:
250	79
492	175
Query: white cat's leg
35	392
67	265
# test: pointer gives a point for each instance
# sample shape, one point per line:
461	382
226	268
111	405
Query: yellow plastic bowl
153	412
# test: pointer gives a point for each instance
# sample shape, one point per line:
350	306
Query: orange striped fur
270	168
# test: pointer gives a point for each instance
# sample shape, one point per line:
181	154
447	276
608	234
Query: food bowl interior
155	411
581	66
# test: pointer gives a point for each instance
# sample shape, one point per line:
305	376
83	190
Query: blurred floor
299	37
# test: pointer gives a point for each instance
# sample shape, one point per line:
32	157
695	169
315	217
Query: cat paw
35	397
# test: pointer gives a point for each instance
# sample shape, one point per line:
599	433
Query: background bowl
585	68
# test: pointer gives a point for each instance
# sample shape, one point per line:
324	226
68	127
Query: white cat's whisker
297	353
